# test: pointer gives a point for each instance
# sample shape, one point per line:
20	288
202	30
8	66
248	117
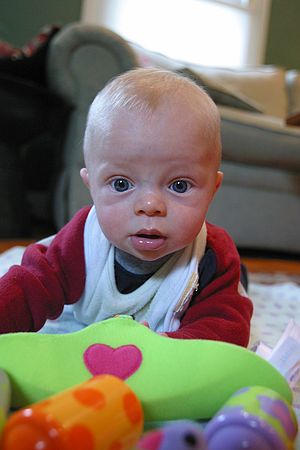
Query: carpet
276	299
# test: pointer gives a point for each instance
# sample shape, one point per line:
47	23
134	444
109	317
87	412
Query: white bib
161	300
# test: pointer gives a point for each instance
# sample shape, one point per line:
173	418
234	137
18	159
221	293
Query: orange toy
100	414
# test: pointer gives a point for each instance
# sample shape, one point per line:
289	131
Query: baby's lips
143	242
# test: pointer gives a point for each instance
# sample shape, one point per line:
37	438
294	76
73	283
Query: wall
284	34
20	20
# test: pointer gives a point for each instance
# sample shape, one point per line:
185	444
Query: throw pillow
264	85
218	94
8	51
28	62
293	119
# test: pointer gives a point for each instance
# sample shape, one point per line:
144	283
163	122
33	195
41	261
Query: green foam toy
4	397
173	378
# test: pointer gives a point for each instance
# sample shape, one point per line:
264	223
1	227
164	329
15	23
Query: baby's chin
152	257
149	257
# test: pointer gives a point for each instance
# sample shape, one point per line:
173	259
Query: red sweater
51	277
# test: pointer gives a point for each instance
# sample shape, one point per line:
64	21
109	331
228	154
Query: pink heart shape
121	361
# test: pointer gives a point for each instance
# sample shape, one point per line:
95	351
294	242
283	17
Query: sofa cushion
261	177
148	58
265	85
220	95
259	139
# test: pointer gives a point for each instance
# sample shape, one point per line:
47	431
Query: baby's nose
150	204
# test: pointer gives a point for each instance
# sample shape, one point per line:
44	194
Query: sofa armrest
293	91
82	58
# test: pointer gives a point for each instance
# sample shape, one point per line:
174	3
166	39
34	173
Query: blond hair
144	90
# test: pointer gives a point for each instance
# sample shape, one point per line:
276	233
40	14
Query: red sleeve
219	311
47	279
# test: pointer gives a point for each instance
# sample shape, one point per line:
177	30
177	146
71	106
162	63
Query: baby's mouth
149	236
148	240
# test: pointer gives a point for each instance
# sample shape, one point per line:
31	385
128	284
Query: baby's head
144	91
152	153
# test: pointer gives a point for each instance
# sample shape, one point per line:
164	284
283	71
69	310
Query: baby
152	153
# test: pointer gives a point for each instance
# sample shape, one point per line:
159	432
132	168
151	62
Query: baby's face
152	181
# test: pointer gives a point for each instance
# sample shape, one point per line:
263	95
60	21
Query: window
237	3
227	33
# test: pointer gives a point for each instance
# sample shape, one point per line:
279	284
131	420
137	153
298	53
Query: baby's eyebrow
114	166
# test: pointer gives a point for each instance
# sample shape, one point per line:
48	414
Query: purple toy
253	418
180	435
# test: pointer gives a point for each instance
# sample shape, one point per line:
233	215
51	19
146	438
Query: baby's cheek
187	226
188	219
108	223
113	223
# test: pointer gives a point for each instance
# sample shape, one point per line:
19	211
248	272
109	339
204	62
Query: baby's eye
121	184
180	186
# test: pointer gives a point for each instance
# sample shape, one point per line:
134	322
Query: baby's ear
85	176
219	179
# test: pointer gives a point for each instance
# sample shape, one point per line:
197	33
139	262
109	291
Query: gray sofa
81	60
259	202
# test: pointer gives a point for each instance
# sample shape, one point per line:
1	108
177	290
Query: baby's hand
144	322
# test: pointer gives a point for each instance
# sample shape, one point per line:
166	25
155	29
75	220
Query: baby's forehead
148	105
163	129
188	108
138	89
166	116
